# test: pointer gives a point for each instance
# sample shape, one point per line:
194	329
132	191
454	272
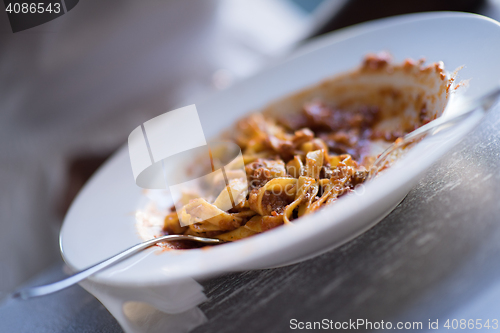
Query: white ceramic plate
101	220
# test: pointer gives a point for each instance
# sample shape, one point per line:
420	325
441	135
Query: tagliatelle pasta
299	162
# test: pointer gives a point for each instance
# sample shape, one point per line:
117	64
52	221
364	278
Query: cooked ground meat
262	170
275	202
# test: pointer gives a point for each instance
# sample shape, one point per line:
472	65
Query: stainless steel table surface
436	256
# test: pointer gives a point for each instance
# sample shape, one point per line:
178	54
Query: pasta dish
304	152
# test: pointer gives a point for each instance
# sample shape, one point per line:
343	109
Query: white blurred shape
138	150
174	132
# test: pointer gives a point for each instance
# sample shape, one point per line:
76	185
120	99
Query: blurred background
72	89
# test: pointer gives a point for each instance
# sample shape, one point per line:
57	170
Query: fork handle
485	102
79	276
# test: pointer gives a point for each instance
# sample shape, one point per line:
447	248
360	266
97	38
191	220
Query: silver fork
484	102
465	109
79	276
